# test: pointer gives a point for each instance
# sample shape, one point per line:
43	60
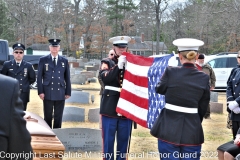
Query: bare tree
160	7
90	13
24	13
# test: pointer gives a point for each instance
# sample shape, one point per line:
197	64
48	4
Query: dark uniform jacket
186	87
233	90
54	82
110	77
110	64
14	137
24	73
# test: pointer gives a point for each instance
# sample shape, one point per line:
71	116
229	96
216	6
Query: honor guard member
54	84
114	124
187	95
21	70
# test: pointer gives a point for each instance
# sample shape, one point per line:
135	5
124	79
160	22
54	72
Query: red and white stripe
133	101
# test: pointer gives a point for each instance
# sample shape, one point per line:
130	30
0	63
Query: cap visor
120	45
54	45
18	48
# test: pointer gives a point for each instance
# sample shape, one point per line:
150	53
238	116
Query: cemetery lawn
143	145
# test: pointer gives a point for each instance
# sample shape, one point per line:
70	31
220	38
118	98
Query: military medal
46	67
25	72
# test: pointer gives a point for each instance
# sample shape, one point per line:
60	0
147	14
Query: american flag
138	100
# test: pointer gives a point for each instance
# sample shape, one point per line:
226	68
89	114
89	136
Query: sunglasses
18	52
238	57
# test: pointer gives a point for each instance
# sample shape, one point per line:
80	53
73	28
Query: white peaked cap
188	44
120	40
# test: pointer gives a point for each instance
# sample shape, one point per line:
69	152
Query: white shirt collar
18	62
55	57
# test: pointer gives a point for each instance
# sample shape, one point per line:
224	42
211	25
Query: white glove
236	110
121	61
173	61
237	139
119	114
232	105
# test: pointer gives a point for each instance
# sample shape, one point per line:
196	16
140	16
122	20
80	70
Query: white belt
113	88
181	109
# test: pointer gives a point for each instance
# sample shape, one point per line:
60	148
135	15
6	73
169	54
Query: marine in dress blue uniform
187	95
54	84
114	124
22	71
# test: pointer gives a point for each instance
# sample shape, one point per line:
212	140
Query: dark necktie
18	64
54	62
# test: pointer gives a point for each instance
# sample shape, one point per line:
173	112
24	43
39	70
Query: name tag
10	69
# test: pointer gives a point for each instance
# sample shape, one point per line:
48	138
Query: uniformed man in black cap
21	70
54	84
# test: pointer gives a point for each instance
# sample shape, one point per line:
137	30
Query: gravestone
96	61
73	64
81	63
80	139
216	107
73	114
72	71
89	64
97	73
92	80
84	59
71	59
78	70
214	96
78	78
88	74
97	66
93	115
78	97
93	68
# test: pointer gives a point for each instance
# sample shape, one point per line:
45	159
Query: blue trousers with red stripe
169	151
119	128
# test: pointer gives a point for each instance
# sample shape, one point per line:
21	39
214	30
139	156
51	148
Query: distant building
136	46
145	48
39	49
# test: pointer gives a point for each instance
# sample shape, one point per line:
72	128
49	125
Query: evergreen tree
116	12
5	23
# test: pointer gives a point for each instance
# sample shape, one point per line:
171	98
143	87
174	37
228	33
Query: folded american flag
138	100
